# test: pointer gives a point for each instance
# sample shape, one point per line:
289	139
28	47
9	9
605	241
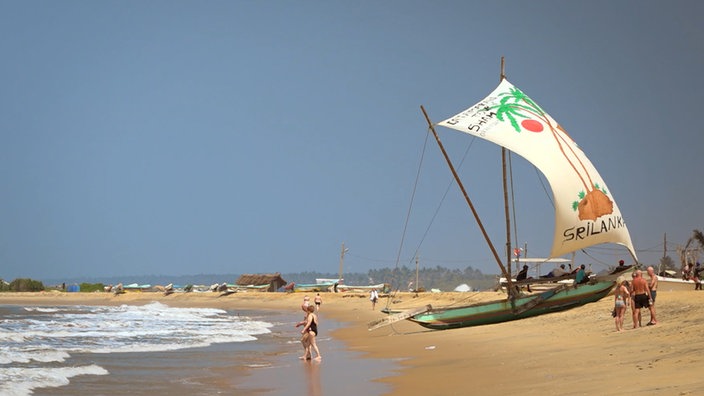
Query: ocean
142	350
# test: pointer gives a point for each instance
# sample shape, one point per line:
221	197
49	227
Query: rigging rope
408	212
410	207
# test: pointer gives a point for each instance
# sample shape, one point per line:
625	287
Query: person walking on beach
311	328
621	302
641	297
653	286
374	297
318	301
305	337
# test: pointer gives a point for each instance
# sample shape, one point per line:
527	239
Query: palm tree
697	236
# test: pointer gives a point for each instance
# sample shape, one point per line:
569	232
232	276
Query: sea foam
35	342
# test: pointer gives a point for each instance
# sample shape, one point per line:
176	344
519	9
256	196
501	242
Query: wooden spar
471	205
386	321
503	75
537	300
506	212
505	187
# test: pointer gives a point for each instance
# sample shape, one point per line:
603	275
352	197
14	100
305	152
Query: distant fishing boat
138	287
380	287
313	287
585	212
252	288
670	283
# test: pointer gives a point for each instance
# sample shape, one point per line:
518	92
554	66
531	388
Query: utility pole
342	261
417	275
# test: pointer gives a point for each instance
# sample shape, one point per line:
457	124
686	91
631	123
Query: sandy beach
576	352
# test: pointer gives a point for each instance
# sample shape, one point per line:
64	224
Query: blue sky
185	137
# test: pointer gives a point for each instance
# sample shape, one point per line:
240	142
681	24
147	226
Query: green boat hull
520	308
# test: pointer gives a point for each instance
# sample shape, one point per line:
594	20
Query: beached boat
328	280
252	288
380	287
136	287
313	287
667	283
585	213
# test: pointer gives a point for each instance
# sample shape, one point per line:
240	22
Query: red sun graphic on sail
532	125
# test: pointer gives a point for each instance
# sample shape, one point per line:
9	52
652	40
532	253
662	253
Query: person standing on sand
374	297
305	338
311	329
641	297
653	286
318	300
621	302
633	303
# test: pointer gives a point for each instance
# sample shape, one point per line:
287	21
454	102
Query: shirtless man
653	286
641	296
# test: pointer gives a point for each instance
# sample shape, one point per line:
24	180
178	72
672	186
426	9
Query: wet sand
576	352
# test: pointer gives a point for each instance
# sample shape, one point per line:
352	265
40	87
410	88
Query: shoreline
574	352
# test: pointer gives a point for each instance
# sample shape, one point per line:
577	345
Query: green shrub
26	285
92	287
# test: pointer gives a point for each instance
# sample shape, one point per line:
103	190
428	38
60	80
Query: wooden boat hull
313	287
252	288
559	299
674	284
381	287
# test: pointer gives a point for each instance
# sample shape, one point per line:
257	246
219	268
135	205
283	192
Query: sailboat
585	211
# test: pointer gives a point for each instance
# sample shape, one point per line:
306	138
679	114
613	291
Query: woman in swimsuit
311	328
621	301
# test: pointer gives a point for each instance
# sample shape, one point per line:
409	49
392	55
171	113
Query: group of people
580	274
310	328
638	294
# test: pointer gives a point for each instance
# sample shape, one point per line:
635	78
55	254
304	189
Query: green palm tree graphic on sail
514	105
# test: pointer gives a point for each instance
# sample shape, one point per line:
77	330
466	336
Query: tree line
399	278
404	278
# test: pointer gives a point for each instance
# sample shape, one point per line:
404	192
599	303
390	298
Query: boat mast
509	283
505	186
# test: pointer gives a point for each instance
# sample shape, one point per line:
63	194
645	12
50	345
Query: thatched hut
257	281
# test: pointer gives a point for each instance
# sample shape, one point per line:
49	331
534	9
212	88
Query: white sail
585	211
